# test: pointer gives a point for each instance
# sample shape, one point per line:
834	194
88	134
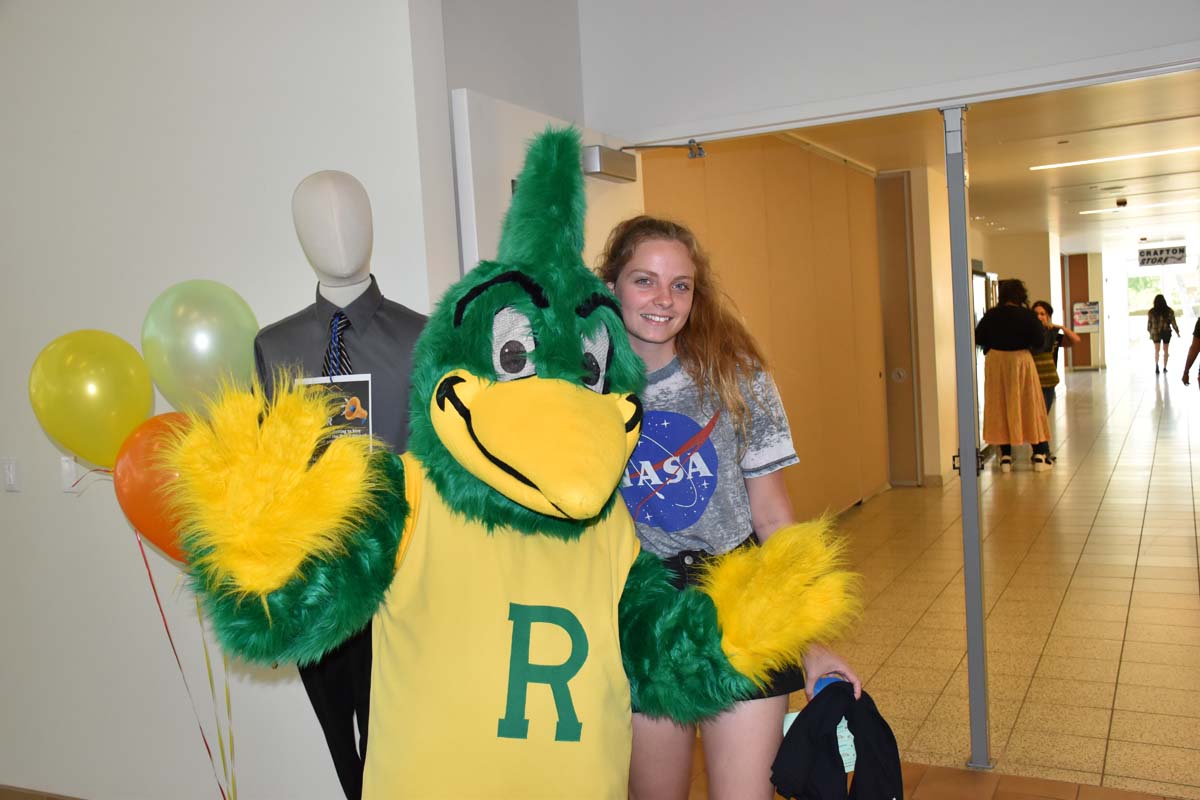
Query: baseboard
886	487
938	481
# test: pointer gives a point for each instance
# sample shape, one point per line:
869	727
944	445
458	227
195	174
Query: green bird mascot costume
515	619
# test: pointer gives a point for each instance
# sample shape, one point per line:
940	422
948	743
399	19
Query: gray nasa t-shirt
684	484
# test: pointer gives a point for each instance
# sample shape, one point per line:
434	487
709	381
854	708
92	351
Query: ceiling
1004	138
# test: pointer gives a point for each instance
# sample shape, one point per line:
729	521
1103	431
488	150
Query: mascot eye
597	351
512	344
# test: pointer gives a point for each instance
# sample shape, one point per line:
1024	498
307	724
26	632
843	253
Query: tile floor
1092	593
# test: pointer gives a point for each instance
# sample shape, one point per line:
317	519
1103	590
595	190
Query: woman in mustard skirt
1014	411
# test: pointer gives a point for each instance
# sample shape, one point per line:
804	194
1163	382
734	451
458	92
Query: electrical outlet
12	474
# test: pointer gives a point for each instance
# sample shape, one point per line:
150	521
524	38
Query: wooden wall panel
793	320
792	237
868	328
737	238
835	384
673	186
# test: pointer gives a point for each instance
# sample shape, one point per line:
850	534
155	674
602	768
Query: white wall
490	138
525	52
434	146
1119	257
145	143
977	244
679	68
1030	257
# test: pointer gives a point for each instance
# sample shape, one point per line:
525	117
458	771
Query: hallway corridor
1092	593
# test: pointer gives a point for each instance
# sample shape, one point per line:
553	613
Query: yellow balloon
89	390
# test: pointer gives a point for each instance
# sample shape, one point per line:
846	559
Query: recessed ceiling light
1110	159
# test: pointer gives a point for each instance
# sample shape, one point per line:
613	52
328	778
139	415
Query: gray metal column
964	368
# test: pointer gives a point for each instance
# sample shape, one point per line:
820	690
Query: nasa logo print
672	474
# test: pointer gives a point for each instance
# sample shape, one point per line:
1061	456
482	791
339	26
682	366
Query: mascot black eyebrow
514	616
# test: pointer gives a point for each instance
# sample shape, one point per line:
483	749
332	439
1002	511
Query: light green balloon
196	335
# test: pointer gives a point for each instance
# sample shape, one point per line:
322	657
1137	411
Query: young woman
1159	322
707	480
1047	361
1014	410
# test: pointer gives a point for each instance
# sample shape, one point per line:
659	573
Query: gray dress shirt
379	341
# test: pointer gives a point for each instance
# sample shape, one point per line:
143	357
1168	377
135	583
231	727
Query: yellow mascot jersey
498	661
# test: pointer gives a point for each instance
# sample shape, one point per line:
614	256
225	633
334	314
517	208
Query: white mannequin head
332	214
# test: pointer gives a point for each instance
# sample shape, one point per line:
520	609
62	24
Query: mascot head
524	409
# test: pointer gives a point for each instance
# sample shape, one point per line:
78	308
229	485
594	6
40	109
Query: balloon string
179	664
89	472
229	718
212	691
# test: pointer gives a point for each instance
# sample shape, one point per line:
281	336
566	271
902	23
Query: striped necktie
337	360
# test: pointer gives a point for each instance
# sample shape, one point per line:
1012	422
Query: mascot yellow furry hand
513	615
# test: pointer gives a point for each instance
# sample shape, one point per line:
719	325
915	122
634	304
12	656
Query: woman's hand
820	661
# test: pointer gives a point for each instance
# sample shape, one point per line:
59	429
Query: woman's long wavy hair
714	346
1160	305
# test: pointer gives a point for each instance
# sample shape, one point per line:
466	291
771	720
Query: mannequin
332	215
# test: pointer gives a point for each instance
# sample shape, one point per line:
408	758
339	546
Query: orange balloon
139	478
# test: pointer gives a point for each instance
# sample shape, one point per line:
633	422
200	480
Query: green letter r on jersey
521	673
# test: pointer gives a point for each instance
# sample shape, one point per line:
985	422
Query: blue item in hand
821	683
824	681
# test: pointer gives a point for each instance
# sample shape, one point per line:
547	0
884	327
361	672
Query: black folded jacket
809	766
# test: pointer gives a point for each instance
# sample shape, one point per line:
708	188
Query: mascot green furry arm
495	556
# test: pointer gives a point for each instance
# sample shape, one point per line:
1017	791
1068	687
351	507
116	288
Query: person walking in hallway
1014	409
1159	322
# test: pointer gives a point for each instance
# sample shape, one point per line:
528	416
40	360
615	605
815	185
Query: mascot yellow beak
553	446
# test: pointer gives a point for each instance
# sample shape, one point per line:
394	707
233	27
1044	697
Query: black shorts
687	568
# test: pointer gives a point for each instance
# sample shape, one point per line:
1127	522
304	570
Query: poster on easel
1086	316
